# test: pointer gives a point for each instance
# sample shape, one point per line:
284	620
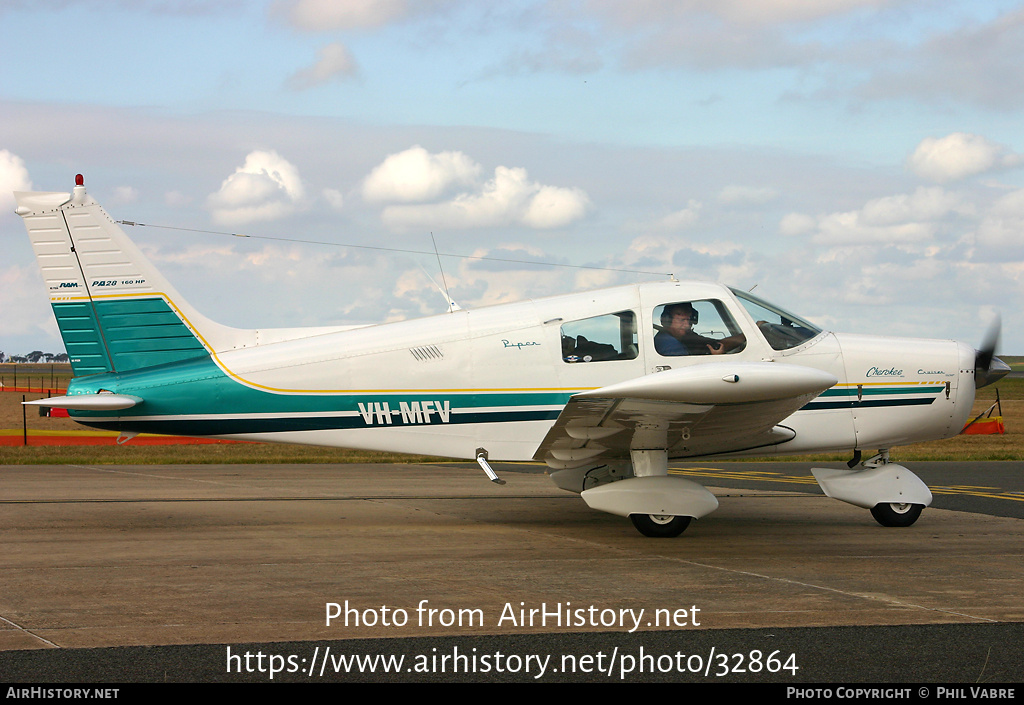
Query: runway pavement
433	561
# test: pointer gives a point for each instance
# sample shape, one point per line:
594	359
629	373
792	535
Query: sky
860	162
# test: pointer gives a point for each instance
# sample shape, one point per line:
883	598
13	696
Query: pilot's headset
670	310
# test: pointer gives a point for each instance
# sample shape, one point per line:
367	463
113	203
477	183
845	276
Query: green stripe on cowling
139	332
867	403
874	391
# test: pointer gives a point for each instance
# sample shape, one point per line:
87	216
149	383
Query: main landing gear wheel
896	513
662	526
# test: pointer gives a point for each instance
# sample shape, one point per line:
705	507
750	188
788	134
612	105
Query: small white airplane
605	387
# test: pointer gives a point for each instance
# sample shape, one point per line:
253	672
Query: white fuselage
496	378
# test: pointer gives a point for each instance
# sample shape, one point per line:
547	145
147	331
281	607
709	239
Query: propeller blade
987	367
988	346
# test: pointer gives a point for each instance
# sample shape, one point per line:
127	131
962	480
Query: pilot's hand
716	351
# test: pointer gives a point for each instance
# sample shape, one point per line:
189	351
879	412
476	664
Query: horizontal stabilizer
89	402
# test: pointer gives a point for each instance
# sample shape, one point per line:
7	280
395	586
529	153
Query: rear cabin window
600	338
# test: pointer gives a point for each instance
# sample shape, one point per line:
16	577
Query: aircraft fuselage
497	377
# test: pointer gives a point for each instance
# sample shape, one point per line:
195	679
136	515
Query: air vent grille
426	353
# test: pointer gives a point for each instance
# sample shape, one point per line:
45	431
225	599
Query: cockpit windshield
781	329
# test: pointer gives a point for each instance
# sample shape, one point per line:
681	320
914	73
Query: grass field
1016	362
1009	446
37	376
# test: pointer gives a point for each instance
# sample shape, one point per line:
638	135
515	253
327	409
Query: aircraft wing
713	407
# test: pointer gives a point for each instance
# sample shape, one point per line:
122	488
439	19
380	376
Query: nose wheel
660	525
896	513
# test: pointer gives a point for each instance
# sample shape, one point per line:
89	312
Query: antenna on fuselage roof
452	306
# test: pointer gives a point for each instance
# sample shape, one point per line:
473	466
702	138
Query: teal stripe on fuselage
199	387
876	391
854	398
238	425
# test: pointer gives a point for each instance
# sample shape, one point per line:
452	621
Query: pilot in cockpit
676	335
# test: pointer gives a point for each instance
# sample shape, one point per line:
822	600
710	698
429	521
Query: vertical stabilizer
115	311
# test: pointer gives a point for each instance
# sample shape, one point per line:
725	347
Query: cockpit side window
781	329
696	328
600	338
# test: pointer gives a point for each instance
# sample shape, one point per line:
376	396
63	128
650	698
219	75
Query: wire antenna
452	306
394	249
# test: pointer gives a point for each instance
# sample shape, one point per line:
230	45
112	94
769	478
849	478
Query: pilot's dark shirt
668	345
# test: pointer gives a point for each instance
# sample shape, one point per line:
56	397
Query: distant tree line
35	356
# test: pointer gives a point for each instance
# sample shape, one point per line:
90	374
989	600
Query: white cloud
176	199
998	236
509	198
220	256
124	194
747	195
553	207
266	187
772	11
329	15
415	175
740	11
412	182
13	177
903	218
850	229
967	62
25	310
335	198
690	258
927	204
506	273
681	219
1012	204
959	155
903	50
710	34
796	224
333	62
516	281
